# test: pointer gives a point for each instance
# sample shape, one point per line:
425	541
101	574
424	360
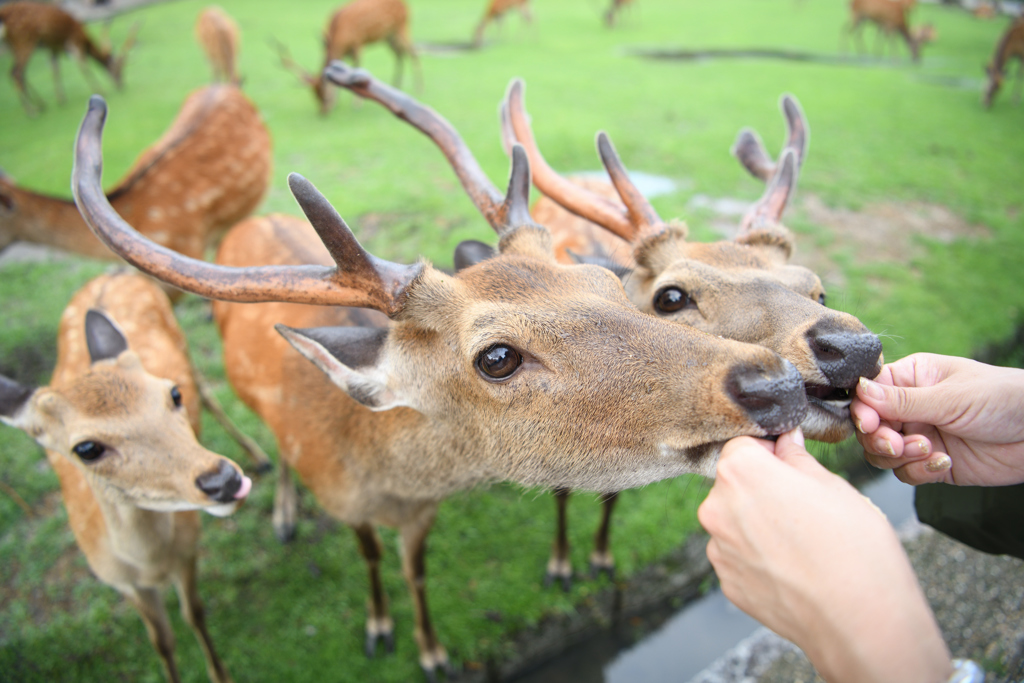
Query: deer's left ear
471	252
12	397
103	337
621	271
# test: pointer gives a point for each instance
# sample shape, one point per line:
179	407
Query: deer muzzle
775	401
225	484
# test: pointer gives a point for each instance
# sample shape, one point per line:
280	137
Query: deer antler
763	219
503	212
288	63
750	151
359	278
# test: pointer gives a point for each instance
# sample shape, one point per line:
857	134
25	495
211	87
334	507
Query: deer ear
621	271
103	337
349	356
13	396
471	252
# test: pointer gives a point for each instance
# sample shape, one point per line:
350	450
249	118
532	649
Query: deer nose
775	400
845	357
222	484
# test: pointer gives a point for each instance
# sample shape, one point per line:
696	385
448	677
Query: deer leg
414	532
601	560
478	34
404	44
1019	83
150	606
58	85
286	503
560	566
396	47
31	101
195	616
248	444
379	626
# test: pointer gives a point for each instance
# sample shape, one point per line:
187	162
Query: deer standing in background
891	17
516	369
741	289
119	422
220	38
350	28
25	26
496	9
613	11
1009	47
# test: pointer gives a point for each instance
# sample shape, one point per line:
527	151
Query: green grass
881	131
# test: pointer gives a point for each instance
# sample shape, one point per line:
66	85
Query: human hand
933	418
804	553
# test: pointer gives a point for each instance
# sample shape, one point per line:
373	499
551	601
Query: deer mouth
819	394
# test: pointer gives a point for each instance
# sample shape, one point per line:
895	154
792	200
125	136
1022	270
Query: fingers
902	404
935	469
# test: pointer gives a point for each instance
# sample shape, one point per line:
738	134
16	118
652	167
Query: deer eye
499	361
176	397
672	299
821	298
89	450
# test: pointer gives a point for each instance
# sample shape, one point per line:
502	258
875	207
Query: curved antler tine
642	216
767	212
750	152
799	136
298	284
487	198
570	196
516	208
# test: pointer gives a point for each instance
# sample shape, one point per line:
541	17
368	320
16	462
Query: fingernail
798	437
889	449
925	449
939	464
860	426
871	389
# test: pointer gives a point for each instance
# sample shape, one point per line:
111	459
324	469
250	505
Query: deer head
126	430
540	373
323	94
741	289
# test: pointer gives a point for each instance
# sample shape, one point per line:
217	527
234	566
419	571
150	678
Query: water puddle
649	184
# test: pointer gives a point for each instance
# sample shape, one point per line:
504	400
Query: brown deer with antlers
514	369
741	289
891	17
26	26
119	422
349	29
1009	47
220	38
496	9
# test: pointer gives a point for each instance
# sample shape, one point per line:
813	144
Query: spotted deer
26	26
515	369
741	289
349	29
496	9
891	17
220	38
119	422
208	171
1009	47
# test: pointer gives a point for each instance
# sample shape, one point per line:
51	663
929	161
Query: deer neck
48	220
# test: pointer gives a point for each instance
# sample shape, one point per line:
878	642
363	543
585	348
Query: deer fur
891	17
26	26
1009	47
220	38
496	9
127	386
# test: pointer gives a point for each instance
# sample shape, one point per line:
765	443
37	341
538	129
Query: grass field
885	133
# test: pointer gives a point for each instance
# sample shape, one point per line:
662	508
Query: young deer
25	26
891	16
516	369
119	422
1009	47
496	9
208	171
219	37
740	289
354	25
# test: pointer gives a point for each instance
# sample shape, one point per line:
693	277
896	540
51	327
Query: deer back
362	22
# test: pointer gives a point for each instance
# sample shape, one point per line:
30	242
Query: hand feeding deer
740	289
891	17
515	369
496	9
1009	47
25	26
219	37
119	422
349	29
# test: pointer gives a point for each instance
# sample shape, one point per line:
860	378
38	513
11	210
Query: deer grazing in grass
515	369
220	38
496	9
349	29
739	289
208	171
119	422
26	26
1009	47
891	17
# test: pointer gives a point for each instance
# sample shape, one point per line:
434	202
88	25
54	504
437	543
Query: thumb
902	404
789	448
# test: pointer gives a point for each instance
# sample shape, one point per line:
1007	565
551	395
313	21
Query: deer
891	16
741	289
496	9
1009	47
611	14
350	28
25	26
514	369
119	424
219	37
